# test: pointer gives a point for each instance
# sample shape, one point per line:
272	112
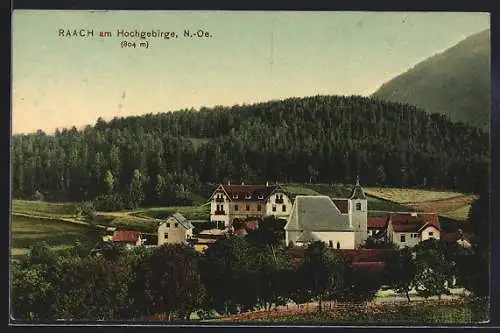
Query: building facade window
274	208
176	225
235	207
258	207
165	235
403	238
168	225
283	208
248	207
330	243
358	206
338	245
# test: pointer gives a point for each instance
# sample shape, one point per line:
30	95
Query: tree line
164	158
237	274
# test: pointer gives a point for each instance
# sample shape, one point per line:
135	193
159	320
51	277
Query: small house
175	230
129	238
410	228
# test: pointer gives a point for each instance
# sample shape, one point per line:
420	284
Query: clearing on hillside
404	196
43	208
60	235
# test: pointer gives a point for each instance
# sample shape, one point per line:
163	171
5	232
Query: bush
87	210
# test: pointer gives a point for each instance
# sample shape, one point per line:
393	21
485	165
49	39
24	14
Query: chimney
242	183
228	182
267	183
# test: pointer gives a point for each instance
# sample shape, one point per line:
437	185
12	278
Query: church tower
359	213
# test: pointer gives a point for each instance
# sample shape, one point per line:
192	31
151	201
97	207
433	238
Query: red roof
249	192
342	205
377	222
366	255
126	236
252	225
413	222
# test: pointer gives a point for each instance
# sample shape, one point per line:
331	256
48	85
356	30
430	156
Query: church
341	223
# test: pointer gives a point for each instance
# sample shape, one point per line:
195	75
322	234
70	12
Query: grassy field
296	189
58	234
409	195
452	205
43	208
459	214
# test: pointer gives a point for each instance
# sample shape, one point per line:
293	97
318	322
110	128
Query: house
208	238
410	228
340	223
239	202
457	237
175	230
129	238
376	224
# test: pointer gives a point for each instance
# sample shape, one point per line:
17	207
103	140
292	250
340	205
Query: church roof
316	213
357	191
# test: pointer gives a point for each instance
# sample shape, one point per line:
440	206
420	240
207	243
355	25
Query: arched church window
338	245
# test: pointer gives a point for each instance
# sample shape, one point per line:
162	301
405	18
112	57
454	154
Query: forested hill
158	159
455	83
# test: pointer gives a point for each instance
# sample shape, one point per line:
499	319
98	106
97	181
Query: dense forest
160	159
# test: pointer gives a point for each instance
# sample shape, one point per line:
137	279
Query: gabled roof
342	205
377	222
249	192
366	255
357	191
181	220
316	213
127	236
413	222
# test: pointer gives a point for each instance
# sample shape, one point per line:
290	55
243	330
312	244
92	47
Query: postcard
250	167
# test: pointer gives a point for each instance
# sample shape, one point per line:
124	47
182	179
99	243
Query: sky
248	57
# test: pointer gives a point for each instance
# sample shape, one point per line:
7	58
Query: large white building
341	223
239	202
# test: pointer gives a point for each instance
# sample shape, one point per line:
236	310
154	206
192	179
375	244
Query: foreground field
421	312
58	234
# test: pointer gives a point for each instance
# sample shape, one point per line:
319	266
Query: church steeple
357	191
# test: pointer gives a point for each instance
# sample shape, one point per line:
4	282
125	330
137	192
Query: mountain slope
455	83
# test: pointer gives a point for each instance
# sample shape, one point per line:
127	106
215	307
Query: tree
92	288
109	180
171	282
270	232
479	271
401	270
136	191
273	267
227	274
30	290
321	273
381	175
433	270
